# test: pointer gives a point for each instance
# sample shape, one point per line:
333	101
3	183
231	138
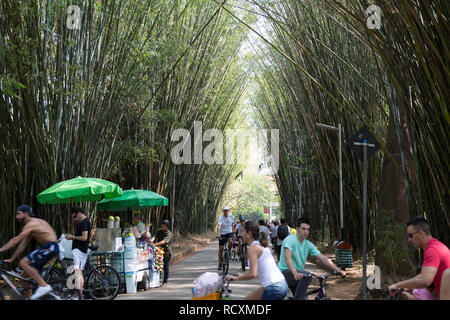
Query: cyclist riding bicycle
45	236
436	258
239	228
225	232
294	252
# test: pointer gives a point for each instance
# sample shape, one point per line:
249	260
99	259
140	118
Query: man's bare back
41	231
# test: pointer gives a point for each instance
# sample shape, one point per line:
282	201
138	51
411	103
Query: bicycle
225	256
396	295
321	293
31	284
100	282
243	255
234	254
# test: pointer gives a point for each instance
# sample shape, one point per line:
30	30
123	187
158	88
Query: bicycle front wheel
225	262
103	283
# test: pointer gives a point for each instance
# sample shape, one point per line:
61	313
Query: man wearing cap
224	232
163	238
45	236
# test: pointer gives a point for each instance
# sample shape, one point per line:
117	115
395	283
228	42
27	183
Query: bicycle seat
93	248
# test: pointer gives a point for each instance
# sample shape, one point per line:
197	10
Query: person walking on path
80	245
262	265
436	257
283	231
163	238
294	252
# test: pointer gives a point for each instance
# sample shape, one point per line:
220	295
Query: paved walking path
184	273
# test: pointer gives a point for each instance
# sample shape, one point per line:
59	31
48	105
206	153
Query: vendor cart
135	263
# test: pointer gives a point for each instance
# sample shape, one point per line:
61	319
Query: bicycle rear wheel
103	283
243	254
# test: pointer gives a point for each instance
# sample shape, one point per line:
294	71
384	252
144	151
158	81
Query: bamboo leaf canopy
133	199
79	190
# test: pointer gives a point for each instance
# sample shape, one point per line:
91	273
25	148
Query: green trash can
344	258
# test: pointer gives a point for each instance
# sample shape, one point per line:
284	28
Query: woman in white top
262	264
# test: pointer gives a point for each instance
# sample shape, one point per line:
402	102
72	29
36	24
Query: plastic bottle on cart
117	222
111	222
130	242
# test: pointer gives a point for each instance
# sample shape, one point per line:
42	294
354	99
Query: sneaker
41	291
164	284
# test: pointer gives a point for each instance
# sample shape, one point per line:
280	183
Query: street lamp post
300	189
341	202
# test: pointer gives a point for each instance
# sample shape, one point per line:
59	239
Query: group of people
49	248
276	279
293	248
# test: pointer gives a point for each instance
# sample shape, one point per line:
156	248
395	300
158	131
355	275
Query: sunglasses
411	235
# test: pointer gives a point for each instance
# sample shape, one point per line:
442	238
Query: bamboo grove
102	101
322	64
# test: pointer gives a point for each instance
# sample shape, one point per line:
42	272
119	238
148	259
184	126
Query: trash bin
344	258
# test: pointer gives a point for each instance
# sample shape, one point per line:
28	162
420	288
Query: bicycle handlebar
324	276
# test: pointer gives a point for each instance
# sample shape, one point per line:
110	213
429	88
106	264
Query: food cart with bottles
128	249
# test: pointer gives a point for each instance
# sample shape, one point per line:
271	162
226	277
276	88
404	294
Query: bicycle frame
33	285
4	273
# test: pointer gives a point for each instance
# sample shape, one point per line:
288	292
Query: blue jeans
166	262
275	291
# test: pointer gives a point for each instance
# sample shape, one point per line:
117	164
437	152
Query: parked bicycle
100	282
9	276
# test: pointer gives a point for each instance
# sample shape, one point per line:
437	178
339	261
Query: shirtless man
45	236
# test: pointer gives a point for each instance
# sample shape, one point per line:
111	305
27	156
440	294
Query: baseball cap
166	222
226	208
26	208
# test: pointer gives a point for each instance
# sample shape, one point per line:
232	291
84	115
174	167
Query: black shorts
224	238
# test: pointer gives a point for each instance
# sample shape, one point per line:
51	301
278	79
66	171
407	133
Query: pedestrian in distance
283	231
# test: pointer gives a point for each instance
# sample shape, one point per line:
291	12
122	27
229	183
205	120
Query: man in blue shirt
294	252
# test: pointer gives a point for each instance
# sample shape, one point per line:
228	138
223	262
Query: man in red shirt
436	257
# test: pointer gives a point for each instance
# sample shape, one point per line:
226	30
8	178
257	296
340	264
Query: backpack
282	231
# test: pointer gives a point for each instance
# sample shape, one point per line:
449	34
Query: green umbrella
79	190
133	199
